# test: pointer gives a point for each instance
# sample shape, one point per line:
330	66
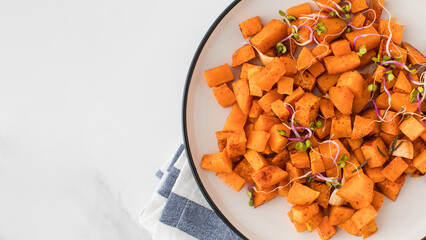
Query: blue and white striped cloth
178	209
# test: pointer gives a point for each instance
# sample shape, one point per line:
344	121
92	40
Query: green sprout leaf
386	58
308	143
249	194
251	203
299	145
413	95
311	126
328	184
333	14
281	132
391	77
291	17
318	124
281	48
348	16
372	87
282	13
348	30
398	57
362	50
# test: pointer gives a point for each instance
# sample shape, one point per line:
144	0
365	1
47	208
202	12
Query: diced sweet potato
300	9
324	191
252	76
323	132
267	99
400	100
236	119
305	80
218	75
280	110
299	159
284	187
224	95
340	64
255	109
366	58
285	85
305	59
339	214
402	85
244	170
341	126
350	169
377	7
300	227
369	230
412	128
257	140
269	176
340	47
307	109
371	39
294	173
232	179
350	227
271	33
281	158
313	222
373	149
250	27
301	195
362	127
316	69
256	160
396	29
364	216
354	144
325	230
270	75
242	55
414	56
391	189
236	143
353	80
295	96
342	98
261	197
217	162
317	166
302	213
378	200
322	50
242	94
329	150
277	142
335	27
374	174
265	123
361	101
394	169
357	189
221	137
390	123
420	162
245	68
327	108
290	66
370	113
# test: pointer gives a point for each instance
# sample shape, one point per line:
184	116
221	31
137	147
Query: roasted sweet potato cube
378	200
334	27
328	151
284	187
244	170
253	75
316	69
294	96
302	213
377	7
265	123
281	158
327	108
419	162
270	75
339	214
300	227
305	59
313	222
366	58
391	189
373	149
269	176
324	191
261	197
242	95
354	144
256	160
218	75
242	55
322	50
414	56
307	109
374	174
372	40
396	29
301	195
290	66
277	141
236	143
222	136
325	130
317	166
402	85
305	80
357	189
400	100
342	98
350	227
255	109
224	95
299	159
285	85
257	140
412	128
232	179
325	230
340	47
341	126
280	110
353	80
391	122
267	99
245	68
300	9
358	6
217	162
369	230
236	119
250	27
362	127
350	169
294	173
271	33
340	64
364	216
394	169
370	113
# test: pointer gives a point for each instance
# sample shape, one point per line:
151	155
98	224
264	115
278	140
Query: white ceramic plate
202	117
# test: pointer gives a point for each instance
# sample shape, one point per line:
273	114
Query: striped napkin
178	209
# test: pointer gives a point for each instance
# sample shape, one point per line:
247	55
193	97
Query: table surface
90	106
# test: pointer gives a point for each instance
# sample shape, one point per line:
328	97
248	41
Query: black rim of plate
184	122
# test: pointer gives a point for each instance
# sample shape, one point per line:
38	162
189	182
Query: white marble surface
90	107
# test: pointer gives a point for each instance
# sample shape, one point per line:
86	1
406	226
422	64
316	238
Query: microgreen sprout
318	124
311	126
250	194
413	95
281	48
390	76
320	28
311	179
332	14
281	132
336	183
282	13
303	146
372	87
291	17
346	8
348	16
328	184
295	34
362	50
398	57
376	60
342	161
348	30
